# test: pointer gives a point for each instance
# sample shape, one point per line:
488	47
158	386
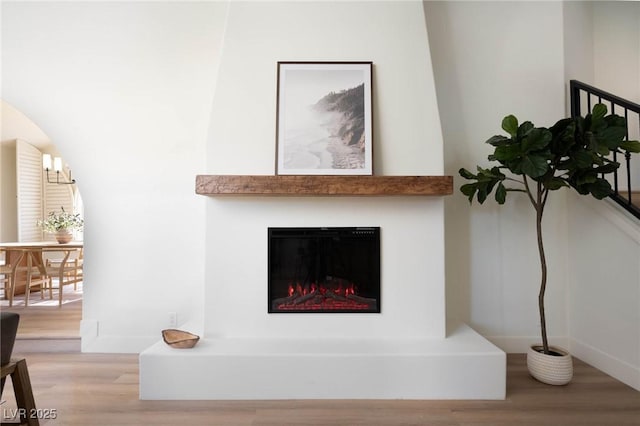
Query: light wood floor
102	389
53	322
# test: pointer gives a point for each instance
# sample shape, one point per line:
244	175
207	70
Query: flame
319	297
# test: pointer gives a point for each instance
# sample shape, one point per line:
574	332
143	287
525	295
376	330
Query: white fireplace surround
411	257
407	350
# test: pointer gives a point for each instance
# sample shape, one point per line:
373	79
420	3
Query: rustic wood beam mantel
297	185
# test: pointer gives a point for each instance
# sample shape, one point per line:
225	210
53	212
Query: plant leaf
598	112
506	153
587	178
600	189
524	129
469	190
612	136
510	125
466	174
630	146
607	168
482	194
534	165
583	159
536	140
555	183
498	140
501	193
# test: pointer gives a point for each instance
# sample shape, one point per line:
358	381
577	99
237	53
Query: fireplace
324	270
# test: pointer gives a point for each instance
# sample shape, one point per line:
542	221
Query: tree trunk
543	265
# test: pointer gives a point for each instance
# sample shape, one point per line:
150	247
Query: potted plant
62	224
573	153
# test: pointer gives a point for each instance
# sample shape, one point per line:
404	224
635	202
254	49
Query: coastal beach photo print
324	118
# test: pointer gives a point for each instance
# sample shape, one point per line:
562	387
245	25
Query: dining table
18	253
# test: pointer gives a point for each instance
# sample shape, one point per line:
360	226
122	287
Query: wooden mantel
297	185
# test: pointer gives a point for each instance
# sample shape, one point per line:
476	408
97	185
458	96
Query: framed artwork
324	118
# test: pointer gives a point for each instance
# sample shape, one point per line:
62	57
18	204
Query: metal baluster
627	155
615	156
575	99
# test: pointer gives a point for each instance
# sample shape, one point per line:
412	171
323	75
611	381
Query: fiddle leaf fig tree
573	153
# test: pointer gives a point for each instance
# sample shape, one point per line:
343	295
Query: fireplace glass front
324	270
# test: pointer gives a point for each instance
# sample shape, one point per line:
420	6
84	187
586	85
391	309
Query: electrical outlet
173	319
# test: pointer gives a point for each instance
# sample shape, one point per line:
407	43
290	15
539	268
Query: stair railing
582	98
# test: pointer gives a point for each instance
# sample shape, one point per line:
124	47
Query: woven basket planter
552	369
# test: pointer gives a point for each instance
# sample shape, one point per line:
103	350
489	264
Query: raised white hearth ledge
462	366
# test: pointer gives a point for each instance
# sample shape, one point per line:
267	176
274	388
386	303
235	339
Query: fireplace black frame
357	244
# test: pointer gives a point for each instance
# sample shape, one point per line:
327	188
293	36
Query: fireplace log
334	296
304	298
282	301
361	299
296	299
372	303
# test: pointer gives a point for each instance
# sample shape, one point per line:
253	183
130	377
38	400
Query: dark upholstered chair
17	369
8	330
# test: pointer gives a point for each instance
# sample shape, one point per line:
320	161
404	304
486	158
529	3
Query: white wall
491	60
603	44
616	47
262	33
604	307
578	44
616	51
407	141
124	90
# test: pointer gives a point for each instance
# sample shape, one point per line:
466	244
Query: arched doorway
27	196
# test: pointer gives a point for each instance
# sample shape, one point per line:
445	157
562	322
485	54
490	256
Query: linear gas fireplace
324	270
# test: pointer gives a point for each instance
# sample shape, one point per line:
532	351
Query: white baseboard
616	368
117	344
94	341
521	344
31	345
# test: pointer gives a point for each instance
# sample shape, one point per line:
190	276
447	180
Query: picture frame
324	118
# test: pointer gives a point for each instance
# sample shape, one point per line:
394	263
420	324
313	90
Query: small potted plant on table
62	224
573	153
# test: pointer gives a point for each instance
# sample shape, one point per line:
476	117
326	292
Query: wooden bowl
179	339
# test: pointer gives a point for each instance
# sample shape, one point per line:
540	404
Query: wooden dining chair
36	274
73	268
8	275
21	264
66	271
